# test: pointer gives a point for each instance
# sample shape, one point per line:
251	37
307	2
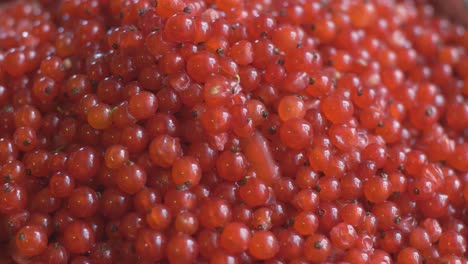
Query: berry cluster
232	131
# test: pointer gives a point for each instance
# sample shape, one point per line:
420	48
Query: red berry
143	105
181	248
263	245
31	240
235	238
229	131
343	236
317	248
78	237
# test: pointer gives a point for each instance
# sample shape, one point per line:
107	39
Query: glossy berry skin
56	253
254	192
263	245
13	171
159	217
409	255
217	91
419	239
78	237
306	200
25	138
61	184
179	28
230	131
99	116
131	178
143	105
181	249
201	66
186	171
296	133
337	109
116	156
113	203
377	189
215	213
186	222
317	248
150	244
291	244
285	38
83	164
291	107
452	243
13	198
231	166
343	236
164	150
216	120
31	240
235	238
83	202
353	214
305	223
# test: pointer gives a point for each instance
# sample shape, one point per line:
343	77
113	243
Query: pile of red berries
232	131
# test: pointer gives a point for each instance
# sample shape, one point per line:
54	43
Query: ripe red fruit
83	164
143	105
78	237
230	131
31	240
186	171
150	244
131	178
13	198
263	245
235	238
343	236
181	248
317	248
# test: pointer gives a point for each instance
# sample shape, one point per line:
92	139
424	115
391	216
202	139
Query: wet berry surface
232	132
